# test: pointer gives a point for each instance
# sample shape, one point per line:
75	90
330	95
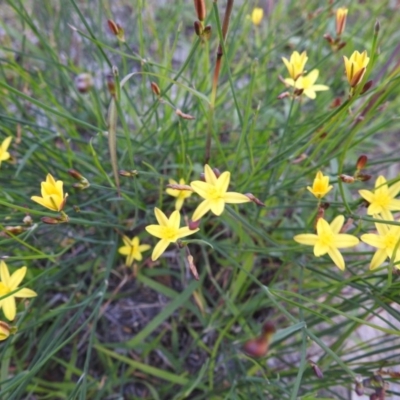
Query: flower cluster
328	238
305	83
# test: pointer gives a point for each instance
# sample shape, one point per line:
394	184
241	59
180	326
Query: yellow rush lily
307	84
214	192
4	154
382	200
168	231
329	240
132	249
257	16
320	185
9	284
386	241
341	16
296	64
180	195
355	67
52	194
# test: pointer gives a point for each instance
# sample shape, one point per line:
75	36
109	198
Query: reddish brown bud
51	221
111	85
283	95
341	45
366	87
200	7
255	200
329	38
317	371
346	178
198	28
181	114
336	102
179	187
268	328
193	225
377	27
117	30
259	346
364	177
156	90
298	92
75	174
356	79
361	162
299	159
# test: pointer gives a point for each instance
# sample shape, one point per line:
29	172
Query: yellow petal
367	195
25	293
337	258
394	189
342	241
320	249
323	227
185	231
156	230
202	188
159	249
4	274
161	217
310	94
124	250
16	278
378	258
175	220
179	203
308	239
223	182
144	247
337	223
9	307
209	175
45	202
235	198
380	184
217	206
201	209
394	205
374	240
6	143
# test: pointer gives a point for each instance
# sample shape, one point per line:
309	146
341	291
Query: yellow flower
382	200
386	241
355	67
168	231
257	16
307	84
341	16
9	284
132	250
296	64
4	154
52	194
329	240
320	185
214	191
180	195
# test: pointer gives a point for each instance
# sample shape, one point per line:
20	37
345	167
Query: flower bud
207	32
317	371
283	95
193	268
341	16
346	178
259	346
198	28
377	27
364	177
75	174
84	82
111	85
255	200
201	11
359	389
27	220
156	90
361	162
366	87
329	39
193	225
5	330
128	174
117	30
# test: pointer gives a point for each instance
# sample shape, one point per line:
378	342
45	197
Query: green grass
101	330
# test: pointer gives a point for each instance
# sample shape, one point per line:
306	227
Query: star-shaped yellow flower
180	195
296	64
382	200
4	154
214	192
329	240
355	67
257	16
386	241
320	185
52	194
168	231
132	249
307	84
7	285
